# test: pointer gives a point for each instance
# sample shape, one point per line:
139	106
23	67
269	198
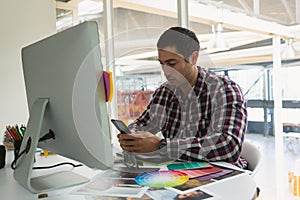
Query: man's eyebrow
169	60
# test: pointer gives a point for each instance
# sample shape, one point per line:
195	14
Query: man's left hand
139	142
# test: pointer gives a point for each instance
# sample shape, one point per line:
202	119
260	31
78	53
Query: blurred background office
254	42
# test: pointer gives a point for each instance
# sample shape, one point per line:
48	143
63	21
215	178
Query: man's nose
166	68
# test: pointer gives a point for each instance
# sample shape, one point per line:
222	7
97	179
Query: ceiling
249	26
280	11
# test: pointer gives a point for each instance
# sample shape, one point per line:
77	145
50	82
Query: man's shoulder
211	76
165	86
214	80
164	89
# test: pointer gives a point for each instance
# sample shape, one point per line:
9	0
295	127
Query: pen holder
17	145
2	156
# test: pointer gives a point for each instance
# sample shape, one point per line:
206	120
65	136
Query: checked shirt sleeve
154	117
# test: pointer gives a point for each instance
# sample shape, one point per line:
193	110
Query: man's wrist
162	143
162	147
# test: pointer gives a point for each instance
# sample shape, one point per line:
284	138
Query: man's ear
194	57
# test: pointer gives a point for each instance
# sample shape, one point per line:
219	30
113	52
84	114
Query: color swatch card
162	179
215	175
193	173
191	165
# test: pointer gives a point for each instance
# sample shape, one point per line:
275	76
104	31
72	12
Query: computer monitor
65	93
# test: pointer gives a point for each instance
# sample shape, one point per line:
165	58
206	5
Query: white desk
241	187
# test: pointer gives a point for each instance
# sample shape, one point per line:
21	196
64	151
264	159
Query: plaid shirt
208	124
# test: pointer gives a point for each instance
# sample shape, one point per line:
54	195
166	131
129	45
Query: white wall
21	23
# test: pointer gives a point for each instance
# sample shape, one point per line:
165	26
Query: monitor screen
66	94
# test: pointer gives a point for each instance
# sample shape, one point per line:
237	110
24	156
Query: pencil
17	130
11	132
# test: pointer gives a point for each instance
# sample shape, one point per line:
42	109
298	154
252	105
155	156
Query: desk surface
234	188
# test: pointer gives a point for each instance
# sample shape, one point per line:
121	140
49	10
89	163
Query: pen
12	134
23	129
8	136
128	185
17	131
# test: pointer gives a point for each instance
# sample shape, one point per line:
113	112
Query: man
201	115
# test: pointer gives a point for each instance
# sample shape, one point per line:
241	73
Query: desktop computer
66	95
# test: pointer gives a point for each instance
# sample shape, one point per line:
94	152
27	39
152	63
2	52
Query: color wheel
162	179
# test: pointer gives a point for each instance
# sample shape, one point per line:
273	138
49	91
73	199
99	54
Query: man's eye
171	64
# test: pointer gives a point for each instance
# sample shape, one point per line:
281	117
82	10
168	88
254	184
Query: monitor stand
24	165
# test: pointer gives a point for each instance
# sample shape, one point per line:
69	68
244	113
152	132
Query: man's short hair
184	40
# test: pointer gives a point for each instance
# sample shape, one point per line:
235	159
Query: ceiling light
289	50
217	42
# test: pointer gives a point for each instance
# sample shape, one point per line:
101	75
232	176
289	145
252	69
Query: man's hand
139	142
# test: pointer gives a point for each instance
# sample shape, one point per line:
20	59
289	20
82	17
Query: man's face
177	71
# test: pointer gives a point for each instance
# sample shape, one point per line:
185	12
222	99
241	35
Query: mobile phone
120	125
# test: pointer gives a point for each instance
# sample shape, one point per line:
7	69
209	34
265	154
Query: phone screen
121	126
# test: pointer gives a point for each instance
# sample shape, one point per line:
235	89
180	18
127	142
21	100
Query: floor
272	178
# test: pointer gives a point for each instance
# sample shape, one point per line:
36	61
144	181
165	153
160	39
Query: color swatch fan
162	179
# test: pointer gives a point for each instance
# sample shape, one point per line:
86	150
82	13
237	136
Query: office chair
253	156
